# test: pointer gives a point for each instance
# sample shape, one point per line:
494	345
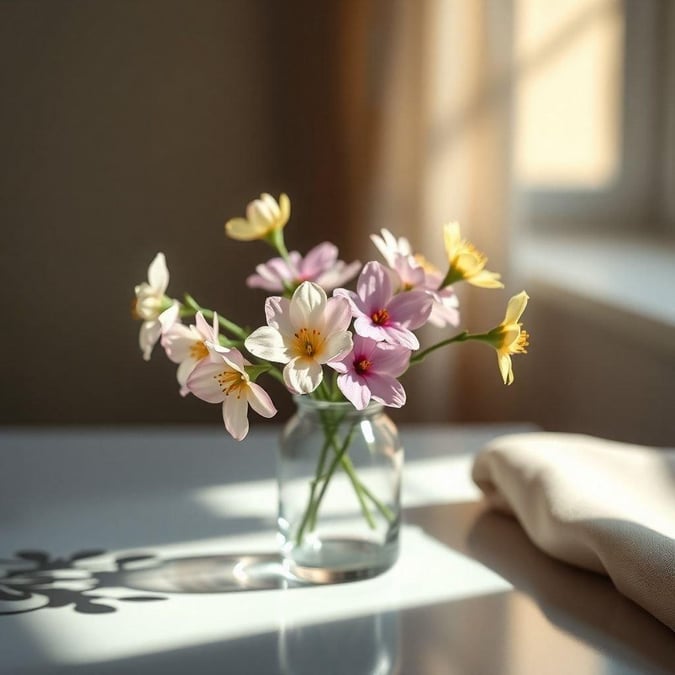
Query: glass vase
339	474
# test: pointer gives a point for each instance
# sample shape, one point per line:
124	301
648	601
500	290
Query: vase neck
311	406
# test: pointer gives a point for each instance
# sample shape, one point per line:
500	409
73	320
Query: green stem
331	423
232	328
382	508
460	337
358	486
276	240
453	276
339	459
227	325
319	476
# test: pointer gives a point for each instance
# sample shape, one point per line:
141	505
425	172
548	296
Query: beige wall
132	127
592	368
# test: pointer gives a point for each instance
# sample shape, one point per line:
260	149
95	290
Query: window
594	140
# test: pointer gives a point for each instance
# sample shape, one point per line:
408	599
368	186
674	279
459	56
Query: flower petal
398	335
148	336
505	368
260	401
411	309
302	375
203	381
177	342
307	305
319	259
516	307
277	314
267	343
354	389
365	348
445	310
387	390
233	358
206	330
183	373
235	416
390	359
509	335
338	314
366	328
486	279
339	274
158	274
335	346
169	316
451	239
284	209
355	303
241	229
374	286
262	213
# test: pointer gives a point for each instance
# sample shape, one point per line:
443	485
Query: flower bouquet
341	353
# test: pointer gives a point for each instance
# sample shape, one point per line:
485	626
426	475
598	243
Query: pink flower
320	265
418	273
383	316
222	378
186	345
370	371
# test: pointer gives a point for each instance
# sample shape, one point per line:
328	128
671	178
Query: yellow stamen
198	350
522	343
229	381
380	317
308	343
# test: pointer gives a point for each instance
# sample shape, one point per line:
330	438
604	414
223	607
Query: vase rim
305	402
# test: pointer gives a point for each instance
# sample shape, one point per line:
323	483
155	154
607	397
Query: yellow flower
466	262
509	337
263	217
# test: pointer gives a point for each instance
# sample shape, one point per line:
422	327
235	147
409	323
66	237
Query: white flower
150	303
222	378
305	332
186	345
390	247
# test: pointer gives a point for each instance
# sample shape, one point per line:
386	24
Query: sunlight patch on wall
569	61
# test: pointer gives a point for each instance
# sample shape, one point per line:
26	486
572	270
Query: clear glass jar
339	473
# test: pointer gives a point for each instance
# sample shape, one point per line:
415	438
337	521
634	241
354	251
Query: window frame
640	198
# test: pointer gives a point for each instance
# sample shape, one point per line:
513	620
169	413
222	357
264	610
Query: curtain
426	119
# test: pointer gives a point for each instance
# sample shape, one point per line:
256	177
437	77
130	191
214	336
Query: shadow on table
580	602
85	580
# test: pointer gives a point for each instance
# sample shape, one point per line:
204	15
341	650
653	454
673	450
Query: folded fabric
599	504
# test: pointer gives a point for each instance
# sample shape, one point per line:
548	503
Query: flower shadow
96	582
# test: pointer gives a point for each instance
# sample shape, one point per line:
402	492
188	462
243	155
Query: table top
113	543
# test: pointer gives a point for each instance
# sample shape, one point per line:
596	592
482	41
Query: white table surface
470	593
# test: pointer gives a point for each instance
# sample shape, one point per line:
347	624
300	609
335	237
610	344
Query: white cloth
599	504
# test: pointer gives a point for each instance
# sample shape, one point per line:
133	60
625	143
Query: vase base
340	560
